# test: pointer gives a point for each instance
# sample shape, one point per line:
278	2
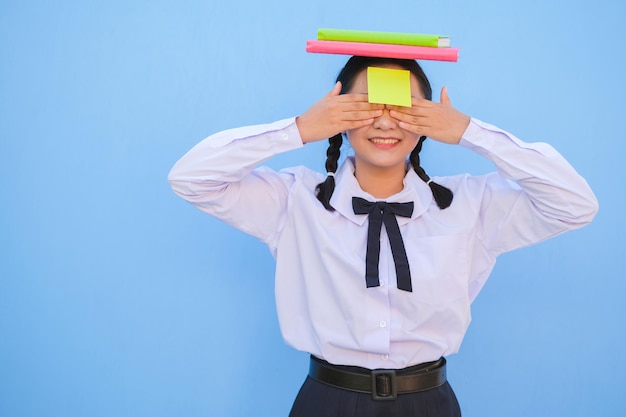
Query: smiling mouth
384	141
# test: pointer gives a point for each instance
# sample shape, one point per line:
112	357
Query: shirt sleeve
218	176
536	194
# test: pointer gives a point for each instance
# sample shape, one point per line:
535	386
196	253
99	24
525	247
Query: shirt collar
347	187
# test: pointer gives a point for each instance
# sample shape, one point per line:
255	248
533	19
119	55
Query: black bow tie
382	212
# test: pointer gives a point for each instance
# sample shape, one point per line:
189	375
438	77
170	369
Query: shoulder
473	183
297	177
472	192
303	173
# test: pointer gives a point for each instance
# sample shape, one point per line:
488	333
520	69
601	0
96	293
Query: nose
385	121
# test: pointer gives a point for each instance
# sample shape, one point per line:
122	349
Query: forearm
547	179
227	156
218	177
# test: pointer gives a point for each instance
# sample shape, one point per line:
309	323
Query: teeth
384	141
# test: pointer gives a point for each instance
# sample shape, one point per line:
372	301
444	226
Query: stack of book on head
383	45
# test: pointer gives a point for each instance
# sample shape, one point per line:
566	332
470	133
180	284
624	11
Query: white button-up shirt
324	307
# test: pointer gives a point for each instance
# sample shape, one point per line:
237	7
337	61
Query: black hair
324	190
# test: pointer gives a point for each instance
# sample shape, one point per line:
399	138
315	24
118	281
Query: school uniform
325	306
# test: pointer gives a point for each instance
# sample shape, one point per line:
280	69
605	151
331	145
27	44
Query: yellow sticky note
389	86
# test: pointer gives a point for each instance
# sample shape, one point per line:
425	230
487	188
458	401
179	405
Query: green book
392	38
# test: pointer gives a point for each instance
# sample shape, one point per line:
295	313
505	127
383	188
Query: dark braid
324	190
443	196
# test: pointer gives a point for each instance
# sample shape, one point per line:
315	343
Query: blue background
119	299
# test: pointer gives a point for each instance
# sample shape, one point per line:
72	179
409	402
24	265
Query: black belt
383	384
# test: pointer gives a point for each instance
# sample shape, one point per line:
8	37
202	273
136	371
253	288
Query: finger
361	115
444	99
357	124
356	102
336	90
359	111
421	103
356	97
410	118
401	109
417	129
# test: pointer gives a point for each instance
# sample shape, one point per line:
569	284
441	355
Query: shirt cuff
288	137
486	139
475	132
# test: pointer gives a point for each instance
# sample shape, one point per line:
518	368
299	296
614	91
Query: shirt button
382	283
383	323
285	136
384	357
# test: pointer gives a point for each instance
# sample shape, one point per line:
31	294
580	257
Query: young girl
376	263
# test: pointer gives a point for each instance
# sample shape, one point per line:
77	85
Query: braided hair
324	190
442	195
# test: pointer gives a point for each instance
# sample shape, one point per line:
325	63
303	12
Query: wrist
302	129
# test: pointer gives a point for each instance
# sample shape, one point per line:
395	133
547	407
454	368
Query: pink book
383	50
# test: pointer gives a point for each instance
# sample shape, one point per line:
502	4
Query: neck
380	182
